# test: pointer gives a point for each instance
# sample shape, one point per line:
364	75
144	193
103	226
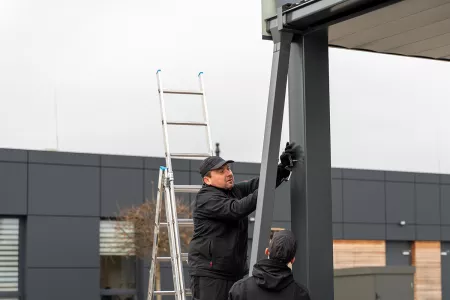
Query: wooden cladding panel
426	257
352	254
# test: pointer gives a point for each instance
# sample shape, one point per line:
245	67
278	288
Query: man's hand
291	155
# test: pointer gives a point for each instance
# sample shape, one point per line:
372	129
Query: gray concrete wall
63	196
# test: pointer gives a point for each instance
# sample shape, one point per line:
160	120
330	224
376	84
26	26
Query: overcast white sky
84	71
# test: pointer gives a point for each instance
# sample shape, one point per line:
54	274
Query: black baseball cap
212	163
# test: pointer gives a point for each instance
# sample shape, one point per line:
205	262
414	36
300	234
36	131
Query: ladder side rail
164	120
177	236
151	280
172	239
205	114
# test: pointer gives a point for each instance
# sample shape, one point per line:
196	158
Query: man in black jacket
218	250
272	278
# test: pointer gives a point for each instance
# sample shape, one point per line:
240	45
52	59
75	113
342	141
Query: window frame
21	258
135	293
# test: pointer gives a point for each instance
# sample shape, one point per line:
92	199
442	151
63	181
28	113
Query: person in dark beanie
272	277
217	255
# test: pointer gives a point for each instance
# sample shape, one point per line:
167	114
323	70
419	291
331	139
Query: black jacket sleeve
248	187
221	207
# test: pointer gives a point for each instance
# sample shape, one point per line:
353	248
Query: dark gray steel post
309	125
271	146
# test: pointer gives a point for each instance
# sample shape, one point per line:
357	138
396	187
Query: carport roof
418	28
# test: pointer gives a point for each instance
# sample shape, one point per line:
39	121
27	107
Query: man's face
222	178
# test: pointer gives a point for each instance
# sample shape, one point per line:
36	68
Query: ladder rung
167	293
182	92
181	223
190	155
184	256
189	123
187	188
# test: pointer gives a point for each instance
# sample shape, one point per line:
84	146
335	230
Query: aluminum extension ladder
167	189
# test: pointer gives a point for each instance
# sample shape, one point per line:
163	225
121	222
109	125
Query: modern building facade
57	214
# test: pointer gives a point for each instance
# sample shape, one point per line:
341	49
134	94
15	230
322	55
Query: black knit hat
212	163
283	246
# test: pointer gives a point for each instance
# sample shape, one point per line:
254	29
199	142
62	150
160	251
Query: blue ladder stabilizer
162	168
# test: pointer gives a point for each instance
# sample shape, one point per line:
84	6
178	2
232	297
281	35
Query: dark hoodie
271	280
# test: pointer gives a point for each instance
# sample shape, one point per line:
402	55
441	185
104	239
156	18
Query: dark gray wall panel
64	158
364	201
445	179
122	161
336	197
445	204
195	164
196	179
64	190
396	253
428	232
180	164
13	188
336	173
427	204
400	176
445	271
13	155
402	233
151	178
245	168
177	164
67	284
121	188
362	174
155	162
62	242
400	202
427	178
364	231
445	233
338	231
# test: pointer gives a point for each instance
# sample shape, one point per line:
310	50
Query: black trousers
206	288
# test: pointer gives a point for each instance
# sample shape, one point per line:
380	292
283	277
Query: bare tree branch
139	242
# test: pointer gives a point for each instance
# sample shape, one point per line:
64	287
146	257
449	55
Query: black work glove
291	155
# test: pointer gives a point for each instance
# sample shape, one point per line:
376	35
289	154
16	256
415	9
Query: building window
118	264
353	254
9	258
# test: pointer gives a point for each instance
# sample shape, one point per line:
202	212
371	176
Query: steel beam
271	145
309	126
313	14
